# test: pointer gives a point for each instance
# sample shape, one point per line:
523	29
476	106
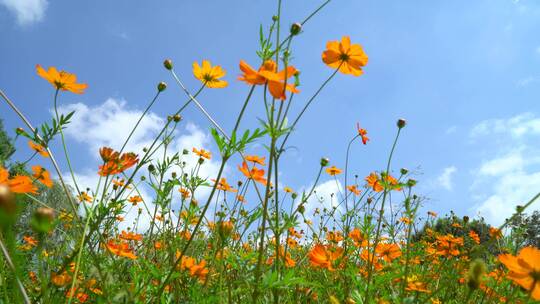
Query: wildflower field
157	229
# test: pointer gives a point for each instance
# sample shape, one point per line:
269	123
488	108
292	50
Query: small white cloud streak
445	179
26	11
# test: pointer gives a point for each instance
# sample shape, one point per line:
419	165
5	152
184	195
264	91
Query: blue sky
465	75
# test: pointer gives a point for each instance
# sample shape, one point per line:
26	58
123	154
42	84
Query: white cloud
512	162
509	174
451	130
26	11
445	179
325	196
518	126
109	124
524	82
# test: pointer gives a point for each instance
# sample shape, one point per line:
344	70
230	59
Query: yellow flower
350	58
61	80
333	170
209	75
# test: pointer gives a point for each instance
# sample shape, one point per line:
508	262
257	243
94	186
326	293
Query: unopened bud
296	28
401	123
162	86
168	64
474	277
43	220
8	207
411	183
324	161
404	171
177	118
19	131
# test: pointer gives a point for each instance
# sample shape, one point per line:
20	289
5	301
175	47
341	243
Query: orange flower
288	190
289	262
405	220
202	153
354	189
324	256
115	163
388	252
121	249
61	80
349	58
255	173
107	154
362	133
30	241
184	192
130	236
373	181
223	185
195	270
38	149
294	233
17	184
415	285
253	77
119	183
474	236
135	199
432	213
448	245
524	269
268	74
209	75
60	279
255	159
84	197
358	238
495	233
42	175
333	170
334	236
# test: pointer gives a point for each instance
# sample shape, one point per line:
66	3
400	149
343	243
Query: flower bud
161	86
43	220
324	161
296	28
151	168
225	229
294	195
8	207
474	277
411	183
177	118
19	131
301	209
401	123
275	18
403	171
168	64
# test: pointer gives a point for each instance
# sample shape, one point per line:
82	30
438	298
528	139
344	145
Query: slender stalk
139	121
381	214
51	156
12	266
